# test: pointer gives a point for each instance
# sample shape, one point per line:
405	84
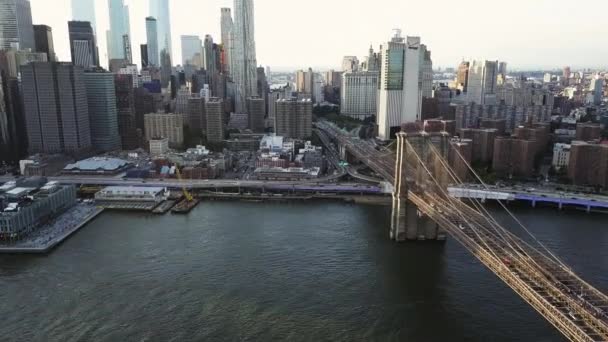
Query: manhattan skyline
525	34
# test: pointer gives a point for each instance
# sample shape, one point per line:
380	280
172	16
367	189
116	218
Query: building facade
56	109
294	118
84	10
256	111
152	42
406	78
43	37
360	94
227	27
119	28
482	82
103	115
83	46
192	51
170	126
16	29
214	109
244	66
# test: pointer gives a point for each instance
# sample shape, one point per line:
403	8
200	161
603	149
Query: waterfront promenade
55	232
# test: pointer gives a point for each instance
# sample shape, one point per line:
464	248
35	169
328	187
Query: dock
164	207
54	233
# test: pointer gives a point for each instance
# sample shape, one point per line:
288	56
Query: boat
185	206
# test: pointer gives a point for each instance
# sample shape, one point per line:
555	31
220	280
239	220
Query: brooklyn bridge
423	210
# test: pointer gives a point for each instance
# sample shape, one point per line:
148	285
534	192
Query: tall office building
84	10
333	78
6	142
214	108
82	44
350	64
305	81
43	36
227	39
462	76
197	117
192	51
481	88
55	106
103	115
152	42
502	68
256	110
143	50
16	25
597	89
244	55
359	94
406	78
12	120
119	27
125	107
159	9
211	61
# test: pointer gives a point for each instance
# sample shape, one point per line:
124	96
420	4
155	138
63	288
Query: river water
261	272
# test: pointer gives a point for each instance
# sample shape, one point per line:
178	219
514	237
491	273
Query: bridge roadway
380	161
574	307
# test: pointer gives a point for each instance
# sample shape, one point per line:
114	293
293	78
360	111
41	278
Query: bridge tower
407	223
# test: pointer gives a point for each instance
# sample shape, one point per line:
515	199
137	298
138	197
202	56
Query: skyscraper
119	27
214	108
483	76
462	77
159	9
103	116
84	10
244	57
152	36
227	39
16	25
143	50
125	107
294	118
43	36
210	54
192	51
256	111
55	107
406	77
82	44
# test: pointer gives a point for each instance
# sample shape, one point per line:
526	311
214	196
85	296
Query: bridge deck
574	307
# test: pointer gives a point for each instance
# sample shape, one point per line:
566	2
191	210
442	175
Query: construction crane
187	194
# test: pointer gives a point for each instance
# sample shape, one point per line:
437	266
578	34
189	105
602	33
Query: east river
313	271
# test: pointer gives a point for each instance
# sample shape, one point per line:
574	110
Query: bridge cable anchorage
550	299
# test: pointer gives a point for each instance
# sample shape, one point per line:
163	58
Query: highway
213	184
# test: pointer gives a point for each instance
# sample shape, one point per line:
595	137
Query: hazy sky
318	33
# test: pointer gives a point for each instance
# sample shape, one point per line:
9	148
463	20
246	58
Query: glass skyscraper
159	9
244	57
119	27
84	10
152	36
16	25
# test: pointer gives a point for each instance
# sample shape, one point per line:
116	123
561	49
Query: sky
295	34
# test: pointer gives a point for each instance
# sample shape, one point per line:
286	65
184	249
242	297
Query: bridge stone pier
407	222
